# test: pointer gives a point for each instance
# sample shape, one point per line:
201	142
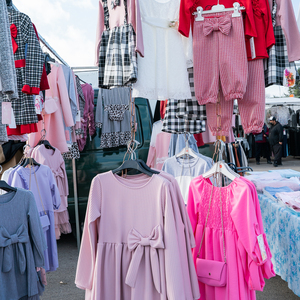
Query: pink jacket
116	19
58	103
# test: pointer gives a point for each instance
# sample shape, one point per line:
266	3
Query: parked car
94	160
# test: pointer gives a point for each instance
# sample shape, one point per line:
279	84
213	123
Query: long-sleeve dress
242	225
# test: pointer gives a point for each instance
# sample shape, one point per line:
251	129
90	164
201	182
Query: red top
265	35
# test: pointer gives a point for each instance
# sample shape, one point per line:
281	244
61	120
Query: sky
70	27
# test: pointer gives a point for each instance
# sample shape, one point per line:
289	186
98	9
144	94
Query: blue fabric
177	143
287	173
274	190
282	228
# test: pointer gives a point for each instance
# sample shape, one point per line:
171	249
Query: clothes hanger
187	150
133	163
219	8
45	142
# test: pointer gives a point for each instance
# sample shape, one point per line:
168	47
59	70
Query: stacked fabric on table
287	173
274	190
291	199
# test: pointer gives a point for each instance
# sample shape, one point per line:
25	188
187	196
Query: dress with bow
21	245
54	160
131	246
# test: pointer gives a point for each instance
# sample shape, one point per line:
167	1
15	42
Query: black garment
262	149
276	134
277	150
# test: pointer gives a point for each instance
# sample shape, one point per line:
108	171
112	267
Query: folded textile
274	190
261	184
265	176
291	199
287	173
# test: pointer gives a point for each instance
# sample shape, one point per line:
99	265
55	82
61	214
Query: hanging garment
54	160
219	33
58	102
21	247
145	250
178	142
246	268
113	116
88	119
184	170
159	146
47	200
29	66
190	109
163	70
278	60
119	37
173	124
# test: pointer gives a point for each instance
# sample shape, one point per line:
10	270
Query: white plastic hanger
187	150
219	8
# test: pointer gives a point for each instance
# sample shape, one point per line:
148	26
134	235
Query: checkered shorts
278	60
117	57
190	109
173	124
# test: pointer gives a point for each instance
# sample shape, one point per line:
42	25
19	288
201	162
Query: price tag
252	47
6	112
262	247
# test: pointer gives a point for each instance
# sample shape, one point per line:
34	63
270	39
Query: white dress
162	72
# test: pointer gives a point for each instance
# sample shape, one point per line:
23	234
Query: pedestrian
262	147
275	140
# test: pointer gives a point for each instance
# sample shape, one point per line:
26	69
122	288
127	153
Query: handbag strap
30	166
221	208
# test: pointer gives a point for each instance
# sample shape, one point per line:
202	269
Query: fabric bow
7	241
137	243
58	173
14	33
223	24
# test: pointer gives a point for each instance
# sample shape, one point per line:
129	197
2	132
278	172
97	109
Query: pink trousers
252	106
220	58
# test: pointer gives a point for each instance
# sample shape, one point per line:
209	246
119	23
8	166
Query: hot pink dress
242	224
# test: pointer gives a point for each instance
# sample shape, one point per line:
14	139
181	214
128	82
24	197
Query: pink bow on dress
137	243
223	24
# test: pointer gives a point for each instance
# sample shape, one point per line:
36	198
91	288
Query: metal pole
76	203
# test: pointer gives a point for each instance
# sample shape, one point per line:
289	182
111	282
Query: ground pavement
61	282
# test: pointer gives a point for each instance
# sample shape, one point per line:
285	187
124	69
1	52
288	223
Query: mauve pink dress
242	225
129	248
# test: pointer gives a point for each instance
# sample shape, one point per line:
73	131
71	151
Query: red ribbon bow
223	24
14	32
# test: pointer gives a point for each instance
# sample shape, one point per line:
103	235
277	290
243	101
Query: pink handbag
212	272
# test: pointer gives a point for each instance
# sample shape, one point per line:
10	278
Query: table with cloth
282	227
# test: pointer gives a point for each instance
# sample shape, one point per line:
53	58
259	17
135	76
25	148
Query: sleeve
192	208
91	118
185	17
37	237
290	29
270	38
99	31
137	25
65	179
34	58
7	63
151	157
56	199
174	281
245	220
64	98
249	22
88	248
99	110
280	133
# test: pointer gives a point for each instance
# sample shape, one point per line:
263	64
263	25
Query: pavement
61	282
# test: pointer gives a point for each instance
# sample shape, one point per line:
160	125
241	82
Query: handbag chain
221	208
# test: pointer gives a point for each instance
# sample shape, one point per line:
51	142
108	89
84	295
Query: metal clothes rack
59	58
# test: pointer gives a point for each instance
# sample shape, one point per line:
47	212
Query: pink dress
57	103
54	160
242	224
129	248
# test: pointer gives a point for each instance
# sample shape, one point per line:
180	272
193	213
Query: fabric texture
219	33
30	72
21	245
144	250
245	267
114	132
117	52
163	70
173	124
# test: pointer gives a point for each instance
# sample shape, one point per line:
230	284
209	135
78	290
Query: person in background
275	140
262	147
